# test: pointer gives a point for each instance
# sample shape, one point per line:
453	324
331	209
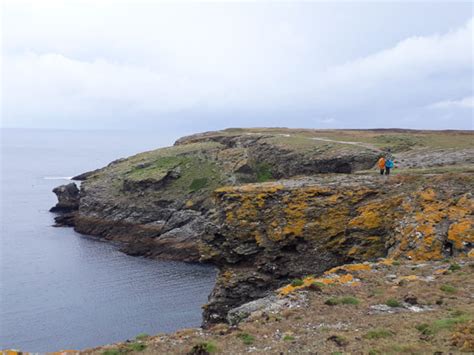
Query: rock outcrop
156	203
265	234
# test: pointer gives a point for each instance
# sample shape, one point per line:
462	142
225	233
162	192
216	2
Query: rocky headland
269	206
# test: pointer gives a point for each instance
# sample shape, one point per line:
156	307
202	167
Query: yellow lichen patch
427	195
460	233
189	204
369	216
295	215
349	267
386	261
470	254
440	272
346	279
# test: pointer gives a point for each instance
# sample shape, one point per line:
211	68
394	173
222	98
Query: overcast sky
191	66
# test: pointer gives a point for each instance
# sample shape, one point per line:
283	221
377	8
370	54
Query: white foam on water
57	177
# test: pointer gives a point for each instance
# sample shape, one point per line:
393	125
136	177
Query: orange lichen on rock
349	267
461	233
369	216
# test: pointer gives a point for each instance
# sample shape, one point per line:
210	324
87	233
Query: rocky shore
268	206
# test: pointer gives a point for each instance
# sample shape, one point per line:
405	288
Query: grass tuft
246	338
378	334
142	336
393	303
448	289
454	267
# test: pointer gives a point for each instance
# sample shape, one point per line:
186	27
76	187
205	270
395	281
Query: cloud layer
231	65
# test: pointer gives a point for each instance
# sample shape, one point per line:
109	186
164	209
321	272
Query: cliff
271	205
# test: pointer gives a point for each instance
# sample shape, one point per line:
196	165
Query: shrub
203	348
448	289
332	301
393	303
263	172
246	338
378	334
198	184
297	282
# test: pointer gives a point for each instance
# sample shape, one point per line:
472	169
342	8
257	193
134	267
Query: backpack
389	163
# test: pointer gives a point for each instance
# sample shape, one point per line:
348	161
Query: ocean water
62	290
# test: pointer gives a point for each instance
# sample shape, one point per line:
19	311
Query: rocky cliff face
265	234
269	205
156	203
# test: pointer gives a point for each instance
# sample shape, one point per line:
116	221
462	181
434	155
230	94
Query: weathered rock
263	234
68	198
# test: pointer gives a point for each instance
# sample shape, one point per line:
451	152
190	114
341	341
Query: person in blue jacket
388	165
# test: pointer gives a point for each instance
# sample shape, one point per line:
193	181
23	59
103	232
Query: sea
62	290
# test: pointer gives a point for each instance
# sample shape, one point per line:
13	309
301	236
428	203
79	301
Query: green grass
448	289
137	346
297	282
207	347
246	338
111	352
198	184
378	334
263	172
333	301
454	267
142	336
393	303
288	338
456	318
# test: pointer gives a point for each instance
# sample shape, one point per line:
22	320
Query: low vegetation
333	301
378	334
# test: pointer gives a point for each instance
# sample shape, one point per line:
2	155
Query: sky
188	66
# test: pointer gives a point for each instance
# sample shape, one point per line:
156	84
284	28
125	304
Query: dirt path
360	144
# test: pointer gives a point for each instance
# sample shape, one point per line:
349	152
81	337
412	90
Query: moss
288	338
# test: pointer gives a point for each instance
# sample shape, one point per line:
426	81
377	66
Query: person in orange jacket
381	164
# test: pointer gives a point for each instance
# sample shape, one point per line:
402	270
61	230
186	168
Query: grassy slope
314	323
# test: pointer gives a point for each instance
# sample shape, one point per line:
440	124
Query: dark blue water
61	290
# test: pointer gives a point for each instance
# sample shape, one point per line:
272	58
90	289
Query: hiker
381	164
388	165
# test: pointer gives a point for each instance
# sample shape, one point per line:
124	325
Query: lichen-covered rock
292	228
